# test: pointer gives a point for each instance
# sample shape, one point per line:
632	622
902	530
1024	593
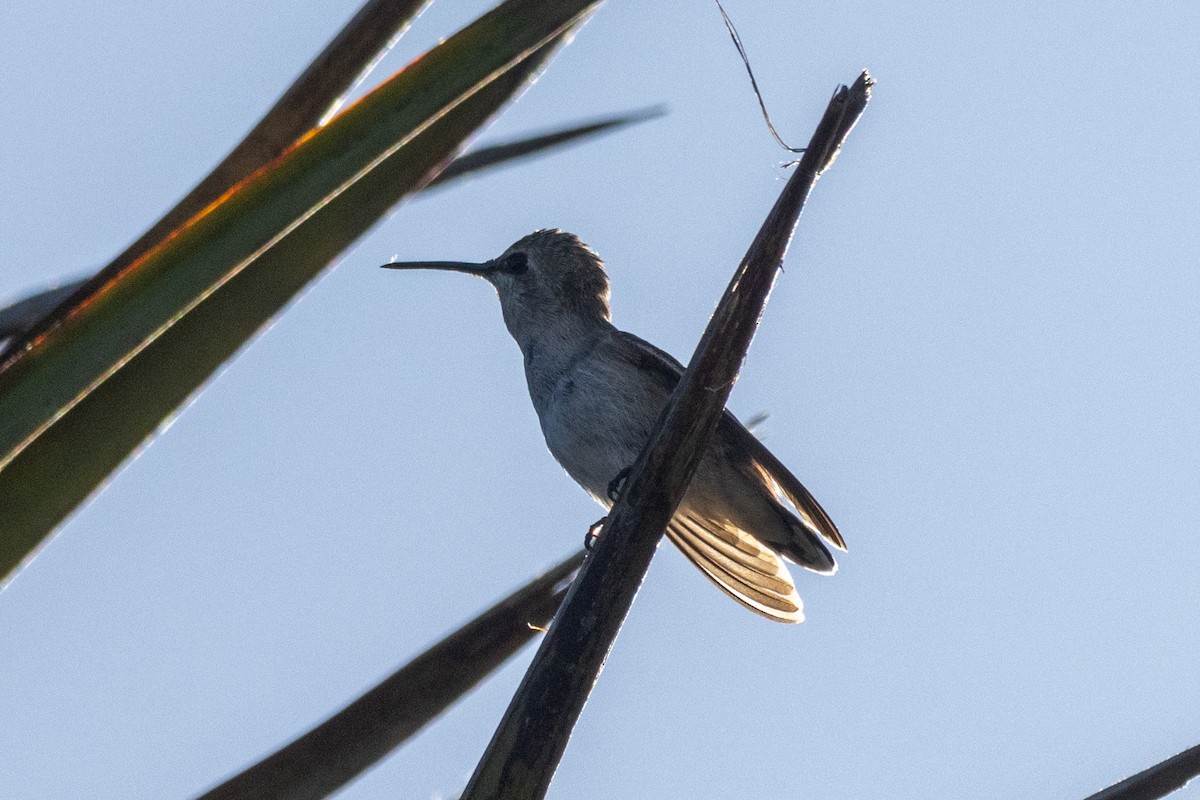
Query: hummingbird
598	392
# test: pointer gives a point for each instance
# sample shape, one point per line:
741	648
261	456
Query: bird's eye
517	264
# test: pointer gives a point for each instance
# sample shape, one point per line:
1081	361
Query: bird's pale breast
596	417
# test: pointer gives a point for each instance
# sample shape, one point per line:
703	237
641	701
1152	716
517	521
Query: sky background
982	359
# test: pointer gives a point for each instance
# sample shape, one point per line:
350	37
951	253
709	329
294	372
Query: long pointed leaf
18	317
521	759
487	157
159	380
320	88
256	248
347	744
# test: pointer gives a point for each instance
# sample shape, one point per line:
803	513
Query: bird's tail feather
804	545
744	568
783	481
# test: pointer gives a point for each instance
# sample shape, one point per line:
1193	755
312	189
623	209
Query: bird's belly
594	444
594	433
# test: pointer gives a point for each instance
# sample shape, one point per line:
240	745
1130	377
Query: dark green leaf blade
22	314
320	88
497	154
525	751
347	744
43	477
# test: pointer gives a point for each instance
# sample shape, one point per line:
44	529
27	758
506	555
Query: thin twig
528	744
737	42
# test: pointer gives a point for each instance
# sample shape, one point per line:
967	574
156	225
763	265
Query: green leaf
344	746
151	382
494	155
319	90
72	406
19	316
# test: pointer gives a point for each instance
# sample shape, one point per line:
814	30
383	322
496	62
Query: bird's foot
614	490
617	483
593	534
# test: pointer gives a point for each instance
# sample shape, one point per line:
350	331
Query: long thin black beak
479	270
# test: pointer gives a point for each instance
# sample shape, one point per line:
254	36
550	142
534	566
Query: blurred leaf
524	753
151	379
1157	781
487	157
347	744
318	90
22	314
224	274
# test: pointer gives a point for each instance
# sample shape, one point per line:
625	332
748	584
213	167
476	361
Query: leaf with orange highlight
77	400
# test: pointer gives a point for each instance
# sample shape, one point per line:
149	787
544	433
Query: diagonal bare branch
351	741
524	752
1157	781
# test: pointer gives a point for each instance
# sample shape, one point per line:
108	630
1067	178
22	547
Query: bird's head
546	275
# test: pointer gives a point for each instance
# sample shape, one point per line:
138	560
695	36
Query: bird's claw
614	486
614	489
593	534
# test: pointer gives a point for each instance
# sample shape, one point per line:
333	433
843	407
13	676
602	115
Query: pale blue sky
982	359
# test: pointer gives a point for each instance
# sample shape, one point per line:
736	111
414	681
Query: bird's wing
752	456
740	565
649	360
748	453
